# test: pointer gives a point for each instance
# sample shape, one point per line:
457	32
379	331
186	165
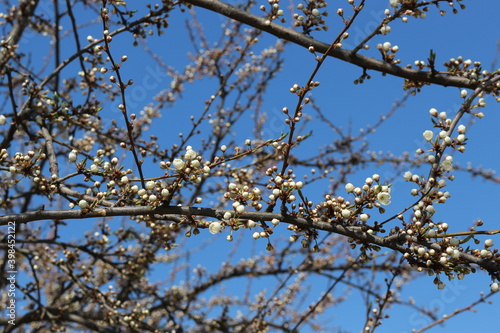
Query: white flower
385	30
463	93
275	222
407	176
190	155
446	165
386	46
240	209
494	287
428	135
227	215
250	224
83	204
165	193
488	242
349	187
124	180
150	185
3	120
393	3
179	164
485	254
433	112
315	12
363	217
384	198
215	227
454	241
346	213
72	156
256	235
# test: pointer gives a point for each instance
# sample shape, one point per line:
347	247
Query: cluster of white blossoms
370	188
441	120
242	196
190	165
274	13
120	185
371	194
388	51
447	261
443	139
191	160
310	17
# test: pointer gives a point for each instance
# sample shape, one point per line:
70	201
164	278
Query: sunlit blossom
384	198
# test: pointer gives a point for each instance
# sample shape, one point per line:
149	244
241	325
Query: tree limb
395	242
342	54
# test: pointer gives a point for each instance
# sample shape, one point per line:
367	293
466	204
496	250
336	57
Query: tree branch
342	54
394	242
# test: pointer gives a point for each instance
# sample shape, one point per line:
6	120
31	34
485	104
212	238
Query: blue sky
473	33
